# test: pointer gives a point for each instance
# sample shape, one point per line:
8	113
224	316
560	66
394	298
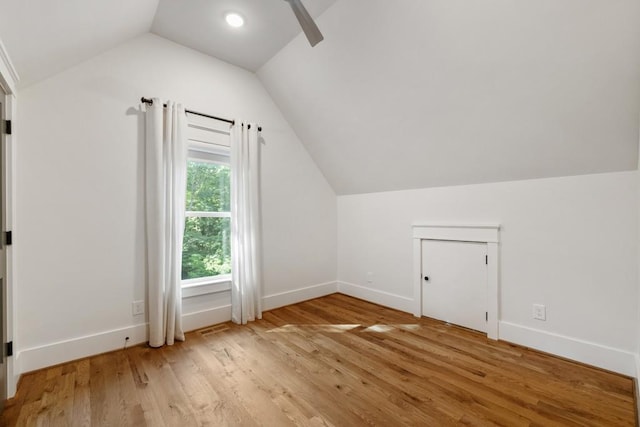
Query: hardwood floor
333	361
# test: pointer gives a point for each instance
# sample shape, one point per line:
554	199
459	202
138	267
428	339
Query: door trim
8	75
9	83
482	233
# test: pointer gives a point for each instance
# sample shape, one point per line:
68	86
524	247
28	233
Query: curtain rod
231	122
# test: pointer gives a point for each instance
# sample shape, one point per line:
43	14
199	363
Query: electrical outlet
137	308
539	312
369	277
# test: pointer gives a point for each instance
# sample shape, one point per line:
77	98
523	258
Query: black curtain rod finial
231	122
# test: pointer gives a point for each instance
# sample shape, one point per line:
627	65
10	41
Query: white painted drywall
569	243
427	93
80	189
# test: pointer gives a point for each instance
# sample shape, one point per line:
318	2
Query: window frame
215	154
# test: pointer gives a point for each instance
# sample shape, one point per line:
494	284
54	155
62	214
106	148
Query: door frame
481	233
9	81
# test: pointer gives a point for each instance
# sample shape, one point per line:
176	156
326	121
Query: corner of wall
270	302
375	296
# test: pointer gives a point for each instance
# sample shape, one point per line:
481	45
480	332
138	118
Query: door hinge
7	127
9	348
486	316
486	259
8	238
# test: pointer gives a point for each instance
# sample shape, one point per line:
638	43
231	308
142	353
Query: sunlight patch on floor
389	328
380	328
320	328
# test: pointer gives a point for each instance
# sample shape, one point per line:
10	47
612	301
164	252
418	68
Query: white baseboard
204	318
605	357
46	355
31	359
76	348
12	384
269	302
378	297
636	383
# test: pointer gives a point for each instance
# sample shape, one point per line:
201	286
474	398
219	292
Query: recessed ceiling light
234	20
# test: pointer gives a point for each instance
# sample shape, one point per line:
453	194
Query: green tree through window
206	247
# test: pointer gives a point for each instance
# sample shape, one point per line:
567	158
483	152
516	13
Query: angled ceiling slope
199	24
44	37
412	94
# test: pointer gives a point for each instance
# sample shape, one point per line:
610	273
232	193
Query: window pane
206	249
208	187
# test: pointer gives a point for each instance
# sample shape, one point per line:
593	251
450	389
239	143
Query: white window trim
210	153
206	285
199	214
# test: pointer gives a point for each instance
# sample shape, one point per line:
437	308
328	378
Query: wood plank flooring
333	361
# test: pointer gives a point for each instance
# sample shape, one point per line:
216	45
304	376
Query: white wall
80	197
463	92
570	243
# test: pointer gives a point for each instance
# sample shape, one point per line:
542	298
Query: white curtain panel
166	175
246	294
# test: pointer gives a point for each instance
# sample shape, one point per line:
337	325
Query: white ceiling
44	37
400	94
413	94
199	24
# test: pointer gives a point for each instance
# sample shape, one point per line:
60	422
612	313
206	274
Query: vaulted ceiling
44	37
270	25
412	94
400	94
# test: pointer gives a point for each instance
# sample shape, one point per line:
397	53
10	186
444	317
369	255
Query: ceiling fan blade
309	27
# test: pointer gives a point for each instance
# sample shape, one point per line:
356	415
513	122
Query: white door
3	287
454	285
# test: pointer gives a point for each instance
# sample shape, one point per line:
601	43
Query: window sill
208	285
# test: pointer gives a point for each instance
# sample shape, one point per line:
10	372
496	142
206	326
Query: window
206	250
206	246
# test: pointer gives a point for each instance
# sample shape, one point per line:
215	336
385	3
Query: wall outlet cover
137	308
539	312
